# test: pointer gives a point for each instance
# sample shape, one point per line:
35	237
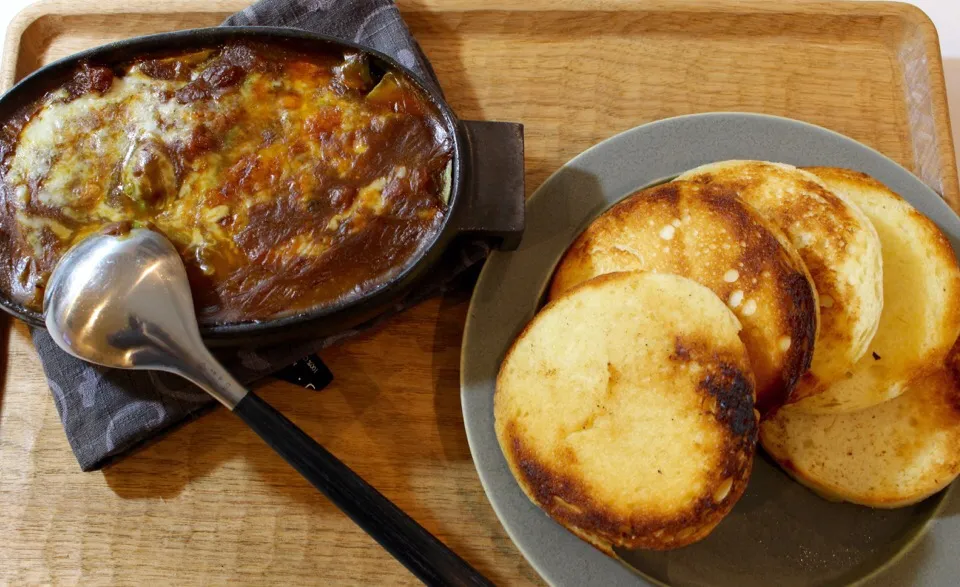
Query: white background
944	13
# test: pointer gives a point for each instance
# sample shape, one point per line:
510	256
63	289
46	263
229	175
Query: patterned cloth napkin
108	412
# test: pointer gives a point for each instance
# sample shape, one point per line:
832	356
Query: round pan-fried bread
625	411
710	235
890	455
837	243
920	320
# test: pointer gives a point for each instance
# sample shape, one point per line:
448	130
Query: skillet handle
493	197
418	550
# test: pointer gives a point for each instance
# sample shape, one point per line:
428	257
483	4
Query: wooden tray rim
910	14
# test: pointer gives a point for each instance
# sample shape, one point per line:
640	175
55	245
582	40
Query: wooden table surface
209	503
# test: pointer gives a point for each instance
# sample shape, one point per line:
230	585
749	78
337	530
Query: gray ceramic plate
779	533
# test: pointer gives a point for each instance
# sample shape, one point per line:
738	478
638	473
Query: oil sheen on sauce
287	179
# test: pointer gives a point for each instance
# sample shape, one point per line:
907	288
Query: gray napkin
108	412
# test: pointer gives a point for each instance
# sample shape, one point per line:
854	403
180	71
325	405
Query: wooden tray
208	503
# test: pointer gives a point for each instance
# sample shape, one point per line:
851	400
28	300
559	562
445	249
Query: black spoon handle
425	556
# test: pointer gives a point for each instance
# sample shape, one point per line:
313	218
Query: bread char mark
798	358
730	386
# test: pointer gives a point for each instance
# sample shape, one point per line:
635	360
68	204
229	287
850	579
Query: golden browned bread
625	411
836	241
890	455
921	310
710	235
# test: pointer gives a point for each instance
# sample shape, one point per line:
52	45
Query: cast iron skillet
486	199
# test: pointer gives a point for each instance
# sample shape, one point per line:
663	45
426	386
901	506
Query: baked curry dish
286	178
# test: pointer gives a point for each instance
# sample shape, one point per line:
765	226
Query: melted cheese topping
252	161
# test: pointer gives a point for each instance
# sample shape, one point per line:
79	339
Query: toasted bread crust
940	244
921	315
706	233
891	455
552	473
566	499
836	241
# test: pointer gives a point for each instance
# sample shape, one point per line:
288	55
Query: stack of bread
812	309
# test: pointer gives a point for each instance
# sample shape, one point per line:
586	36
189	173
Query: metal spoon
124	301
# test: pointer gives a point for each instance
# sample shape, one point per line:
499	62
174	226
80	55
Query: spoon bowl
124	301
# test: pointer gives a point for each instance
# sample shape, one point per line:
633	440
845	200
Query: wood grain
208	503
